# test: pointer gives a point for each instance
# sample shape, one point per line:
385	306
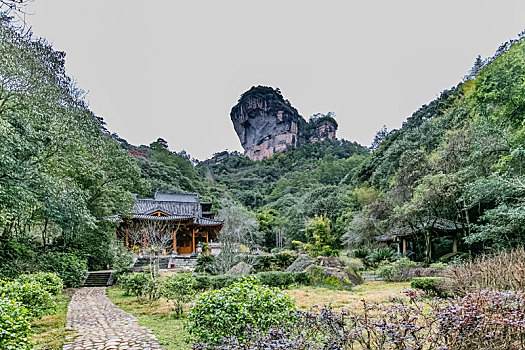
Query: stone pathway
101	325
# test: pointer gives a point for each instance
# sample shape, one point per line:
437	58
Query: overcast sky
173	69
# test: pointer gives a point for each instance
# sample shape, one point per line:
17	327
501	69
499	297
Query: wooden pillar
404	245
175	240
455	243
193	240
127	238
144	241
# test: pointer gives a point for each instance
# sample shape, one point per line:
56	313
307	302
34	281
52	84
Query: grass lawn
168	329
371	291
49	332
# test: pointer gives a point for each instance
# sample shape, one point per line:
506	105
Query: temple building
171	223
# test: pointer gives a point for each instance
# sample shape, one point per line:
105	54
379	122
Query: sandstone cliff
267	123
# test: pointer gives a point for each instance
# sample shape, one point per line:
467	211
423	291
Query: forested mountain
460	158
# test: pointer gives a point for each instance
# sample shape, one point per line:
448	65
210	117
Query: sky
174	69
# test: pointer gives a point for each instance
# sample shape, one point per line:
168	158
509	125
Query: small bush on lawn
432	286
49	280
14	325
276	278
31	295
223	281
69	267
397	271
142	285
227	312
180	289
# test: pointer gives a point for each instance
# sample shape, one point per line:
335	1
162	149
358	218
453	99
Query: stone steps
371	277
167	262
98	279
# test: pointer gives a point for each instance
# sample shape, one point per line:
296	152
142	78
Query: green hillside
460	160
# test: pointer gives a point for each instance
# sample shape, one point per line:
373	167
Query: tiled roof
177	197
178	206
162	218
209	222
146	206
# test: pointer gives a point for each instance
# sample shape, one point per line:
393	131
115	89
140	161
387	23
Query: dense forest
459	159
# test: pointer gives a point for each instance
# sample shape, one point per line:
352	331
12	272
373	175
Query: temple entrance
184	243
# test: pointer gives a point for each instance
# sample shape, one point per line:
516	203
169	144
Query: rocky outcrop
266	123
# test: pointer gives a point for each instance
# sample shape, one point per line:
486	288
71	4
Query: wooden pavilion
172	222
427	227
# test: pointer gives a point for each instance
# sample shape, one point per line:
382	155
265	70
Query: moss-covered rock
301	263
241	268
333	277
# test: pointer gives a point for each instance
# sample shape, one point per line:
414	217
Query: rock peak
266	123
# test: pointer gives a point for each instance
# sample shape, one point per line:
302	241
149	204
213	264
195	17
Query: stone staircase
166	262
184	262
371	277
98	279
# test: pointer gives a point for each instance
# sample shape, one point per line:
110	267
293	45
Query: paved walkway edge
101	325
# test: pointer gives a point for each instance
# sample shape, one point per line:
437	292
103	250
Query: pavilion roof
439	224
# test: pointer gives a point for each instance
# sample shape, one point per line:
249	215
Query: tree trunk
428	247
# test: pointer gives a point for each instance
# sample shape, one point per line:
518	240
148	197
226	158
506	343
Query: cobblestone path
100	324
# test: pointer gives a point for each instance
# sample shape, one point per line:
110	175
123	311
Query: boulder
300	264
241	268
344	278
330	261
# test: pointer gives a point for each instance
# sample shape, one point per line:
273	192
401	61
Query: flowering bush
14	325
230	311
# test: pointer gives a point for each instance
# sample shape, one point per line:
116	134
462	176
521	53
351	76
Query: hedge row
269	278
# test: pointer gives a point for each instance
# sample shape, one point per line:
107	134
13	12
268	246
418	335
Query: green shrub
432	286
438	266
69	267
31	295
228	312
283	260
355	264
382	254
14	325
222	281
180	289
205	263
454	257
361	254
276	278
270	262
140	284
202	282
301	278
397	271
49	280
